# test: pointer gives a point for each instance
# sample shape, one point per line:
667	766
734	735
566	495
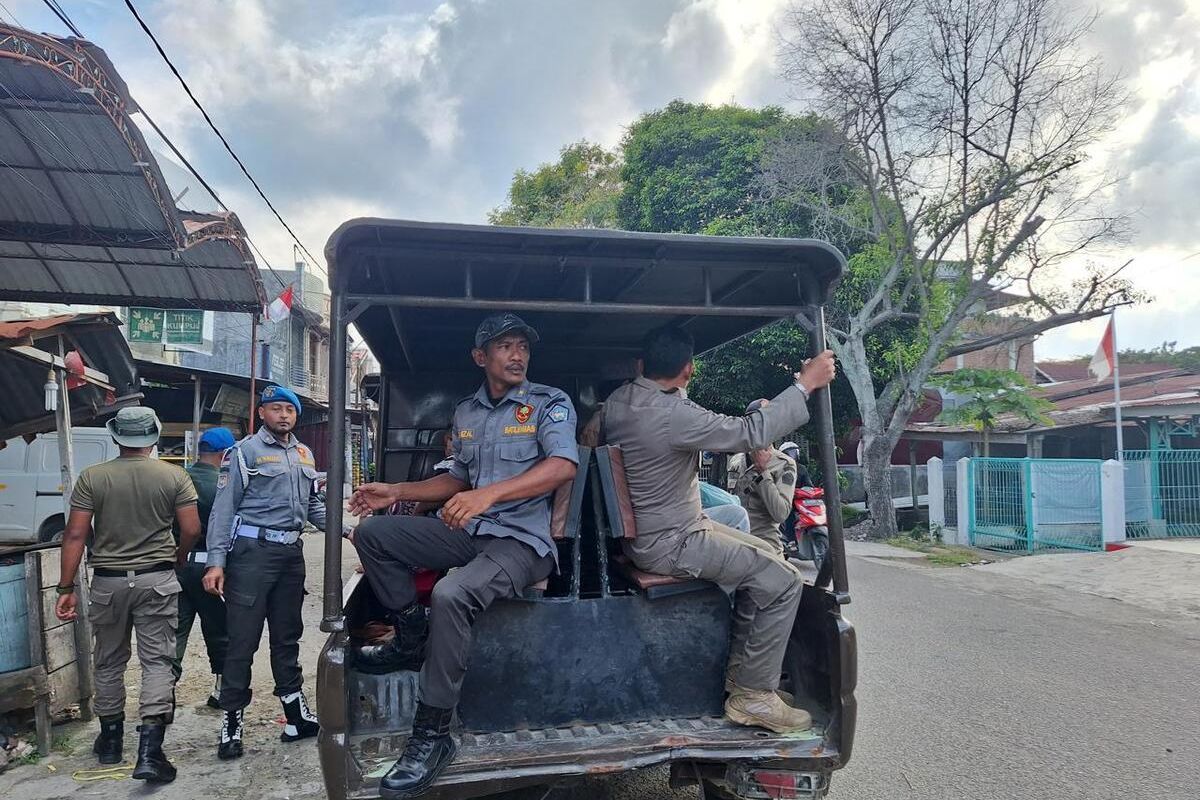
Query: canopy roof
85	213
29	348
592	294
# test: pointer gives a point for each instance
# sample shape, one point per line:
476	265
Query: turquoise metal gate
1162	493
1032	504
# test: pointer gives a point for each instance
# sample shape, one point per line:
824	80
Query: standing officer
767	489
129	504
660	431
265	494
193	600
514	444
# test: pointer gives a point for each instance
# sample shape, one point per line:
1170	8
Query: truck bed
543	756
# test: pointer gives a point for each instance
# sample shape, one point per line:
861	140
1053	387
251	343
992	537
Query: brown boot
787	697
762	708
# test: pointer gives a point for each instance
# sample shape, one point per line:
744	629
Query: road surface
974	685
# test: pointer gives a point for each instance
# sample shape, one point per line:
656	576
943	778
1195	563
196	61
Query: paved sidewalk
1190	546
880	550
1150	577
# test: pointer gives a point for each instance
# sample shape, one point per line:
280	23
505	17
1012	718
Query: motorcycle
806	530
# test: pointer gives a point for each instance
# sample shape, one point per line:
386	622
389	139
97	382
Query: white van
31	503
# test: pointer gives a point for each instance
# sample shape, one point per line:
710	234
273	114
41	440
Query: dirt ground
270	770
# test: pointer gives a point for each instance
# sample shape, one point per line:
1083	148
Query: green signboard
171	326
146	325
183	327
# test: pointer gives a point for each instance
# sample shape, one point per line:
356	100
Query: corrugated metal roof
84	201
98	339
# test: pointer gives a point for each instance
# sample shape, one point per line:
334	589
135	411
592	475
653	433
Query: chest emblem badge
523	413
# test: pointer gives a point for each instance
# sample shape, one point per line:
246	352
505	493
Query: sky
423	110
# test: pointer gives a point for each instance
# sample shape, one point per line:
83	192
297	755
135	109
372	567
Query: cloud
424	109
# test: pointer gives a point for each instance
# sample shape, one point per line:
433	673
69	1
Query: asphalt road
984	687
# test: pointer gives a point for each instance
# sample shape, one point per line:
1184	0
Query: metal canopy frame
722	287
86	215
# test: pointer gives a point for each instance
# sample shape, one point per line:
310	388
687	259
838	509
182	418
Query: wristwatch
61	590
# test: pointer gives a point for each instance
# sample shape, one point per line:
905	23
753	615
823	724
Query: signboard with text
166	326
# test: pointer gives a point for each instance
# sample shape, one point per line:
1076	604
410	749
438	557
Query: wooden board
51	566
21	689
64	688
60	646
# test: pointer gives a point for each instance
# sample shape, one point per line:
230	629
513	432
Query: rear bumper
516	764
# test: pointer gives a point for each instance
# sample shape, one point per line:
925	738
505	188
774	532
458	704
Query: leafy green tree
989	396
580	190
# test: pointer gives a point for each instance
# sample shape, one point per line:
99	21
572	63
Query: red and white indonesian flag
281	307
1102	361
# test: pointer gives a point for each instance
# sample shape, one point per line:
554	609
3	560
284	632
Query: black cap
500	324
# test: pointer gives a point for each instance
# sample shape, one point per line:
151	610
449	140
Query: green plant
989	396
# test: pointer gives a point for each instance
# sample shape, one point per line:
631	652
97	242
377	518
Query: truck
31	501
600	669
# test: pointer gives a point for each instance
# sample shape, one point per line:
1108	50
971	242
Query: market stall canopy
592	294
85	213
102	373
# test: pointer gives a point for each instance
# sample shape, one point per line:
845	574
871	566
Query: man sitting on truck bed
514	444
660	433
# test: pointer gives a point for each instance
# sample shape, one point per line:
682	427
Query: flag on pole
281	307
1103	362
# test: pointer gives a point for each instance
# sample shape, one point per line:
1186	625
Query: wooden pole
912	477
196	419
253	364
66	460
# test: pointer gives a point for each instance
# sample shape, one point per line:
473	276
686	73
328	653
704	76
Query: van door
17	491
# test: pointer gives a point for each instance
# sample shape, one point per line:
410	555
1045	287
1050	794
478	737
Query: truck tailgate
545	755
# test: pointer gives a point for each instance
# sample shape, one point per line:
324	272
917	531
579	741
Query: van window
13	456
87	452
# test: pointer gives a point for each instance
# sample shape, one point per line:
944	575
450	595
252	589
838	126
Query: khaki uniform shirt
767	496
660	433
133	501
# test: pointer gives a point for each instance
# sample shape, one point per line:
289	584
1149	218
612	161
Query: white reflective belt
198	557
278	537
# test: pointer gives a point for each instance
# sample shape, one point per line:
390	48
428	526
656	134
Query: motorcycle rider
766	489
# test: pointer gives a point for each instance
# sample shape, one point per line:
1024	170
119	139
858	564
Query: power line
62	16
195	173
215	129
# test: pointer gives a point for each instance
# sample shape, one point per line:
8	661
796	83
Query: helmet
790	449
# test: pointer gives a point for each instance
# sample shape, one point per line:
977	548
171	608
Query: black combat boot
430	748
231	735
152	765
109	743
301	722
406	650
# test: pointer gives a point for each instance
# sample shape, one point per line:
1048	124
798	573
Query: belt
268	534
129	573
198	557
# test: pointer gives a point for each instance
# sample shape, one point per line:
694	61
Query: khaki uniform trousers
148	604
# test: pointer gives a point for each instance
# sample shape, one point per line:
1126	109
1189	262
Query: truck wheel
714	792
52	530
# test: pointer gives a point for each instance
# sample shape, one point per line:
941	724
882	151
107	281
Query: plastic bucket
14	617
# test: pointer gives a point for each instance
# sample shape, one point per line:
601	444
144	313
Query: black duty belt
121	573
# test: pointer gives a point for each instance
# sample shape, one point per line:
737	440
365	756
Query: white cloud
424	109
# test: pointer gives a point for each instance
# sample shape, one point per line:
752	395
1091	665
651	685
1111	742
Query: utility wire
183	159
62	15
215	129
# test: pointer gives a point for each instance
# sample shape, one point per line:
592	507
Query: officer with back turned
265	494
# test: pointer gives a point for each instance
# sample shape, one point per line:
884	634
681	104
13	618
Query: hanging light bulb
51	389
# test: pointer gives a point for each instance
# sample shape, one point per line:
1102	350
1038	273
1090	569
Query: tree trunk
877	477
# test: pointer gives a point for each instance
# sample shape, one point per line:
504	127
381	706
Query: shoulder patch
223	479
558	413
